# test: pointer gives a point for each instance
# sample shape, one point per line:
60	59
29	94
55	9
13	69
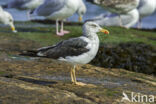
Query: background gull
146	8
129	19
117	6
76	51
24	5
6	18
81	10
60	10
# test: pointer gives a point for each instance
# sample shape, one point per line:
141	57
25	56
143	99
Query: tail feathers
31	53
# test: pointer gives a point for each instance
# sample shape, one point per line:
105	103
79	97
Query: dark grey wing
17	4
71	47
49	7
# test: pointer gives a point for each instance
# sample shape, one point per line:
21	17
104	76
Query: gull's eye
10	20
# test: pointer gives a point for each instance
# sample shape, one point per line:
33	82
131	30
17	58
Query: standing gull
76	51
24	5
60	10
7	19
117	6
129	19
146	8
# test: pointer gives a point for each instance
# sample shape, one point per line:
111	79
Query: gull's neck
90	35
1	10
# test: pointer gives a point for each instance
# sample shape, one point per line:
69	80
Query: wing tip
29	53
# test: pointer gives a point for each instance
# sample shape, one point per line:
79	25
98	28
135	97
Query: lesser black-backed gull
128	20
146	8
7	19
77	51
60	10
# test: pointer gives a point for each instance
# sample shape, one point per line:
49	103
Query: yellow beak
12	28
80	19
104	31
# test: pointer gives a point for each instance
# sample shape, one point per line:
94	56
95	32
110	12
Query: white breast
68	10
147	8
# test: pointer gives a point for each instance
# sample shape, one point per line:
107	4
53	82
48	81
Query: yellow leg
73	77
71	73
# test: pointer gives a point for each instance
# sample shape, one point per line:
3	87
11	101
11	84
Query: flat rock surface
27	80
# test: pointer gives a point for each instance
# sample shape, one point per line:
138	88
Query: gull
81	10
60	10
146	8
128	20
117	6
7	19
24	5
77	51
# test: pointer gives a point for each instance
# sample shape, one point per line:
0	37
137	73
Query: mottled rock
27	80
137	57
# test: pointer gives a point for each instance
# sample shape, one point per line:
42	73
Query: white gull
60	10
7	19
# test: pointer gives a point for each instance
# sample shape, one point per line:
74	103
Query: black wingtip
32	11
90	1
29	53
91	20
4	6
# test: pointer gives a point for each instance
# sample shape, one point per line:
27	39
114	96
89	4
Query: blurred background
93	11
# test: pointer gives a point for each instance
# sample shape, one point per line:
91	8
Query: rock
137	57
19	92
27	80
47	81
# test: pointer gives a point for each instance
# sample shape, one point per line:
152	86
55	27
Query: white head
91	28
9	21
81	10
11	24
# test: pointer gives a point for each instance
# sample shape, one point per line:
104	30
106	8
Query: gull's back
49	7
117	6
